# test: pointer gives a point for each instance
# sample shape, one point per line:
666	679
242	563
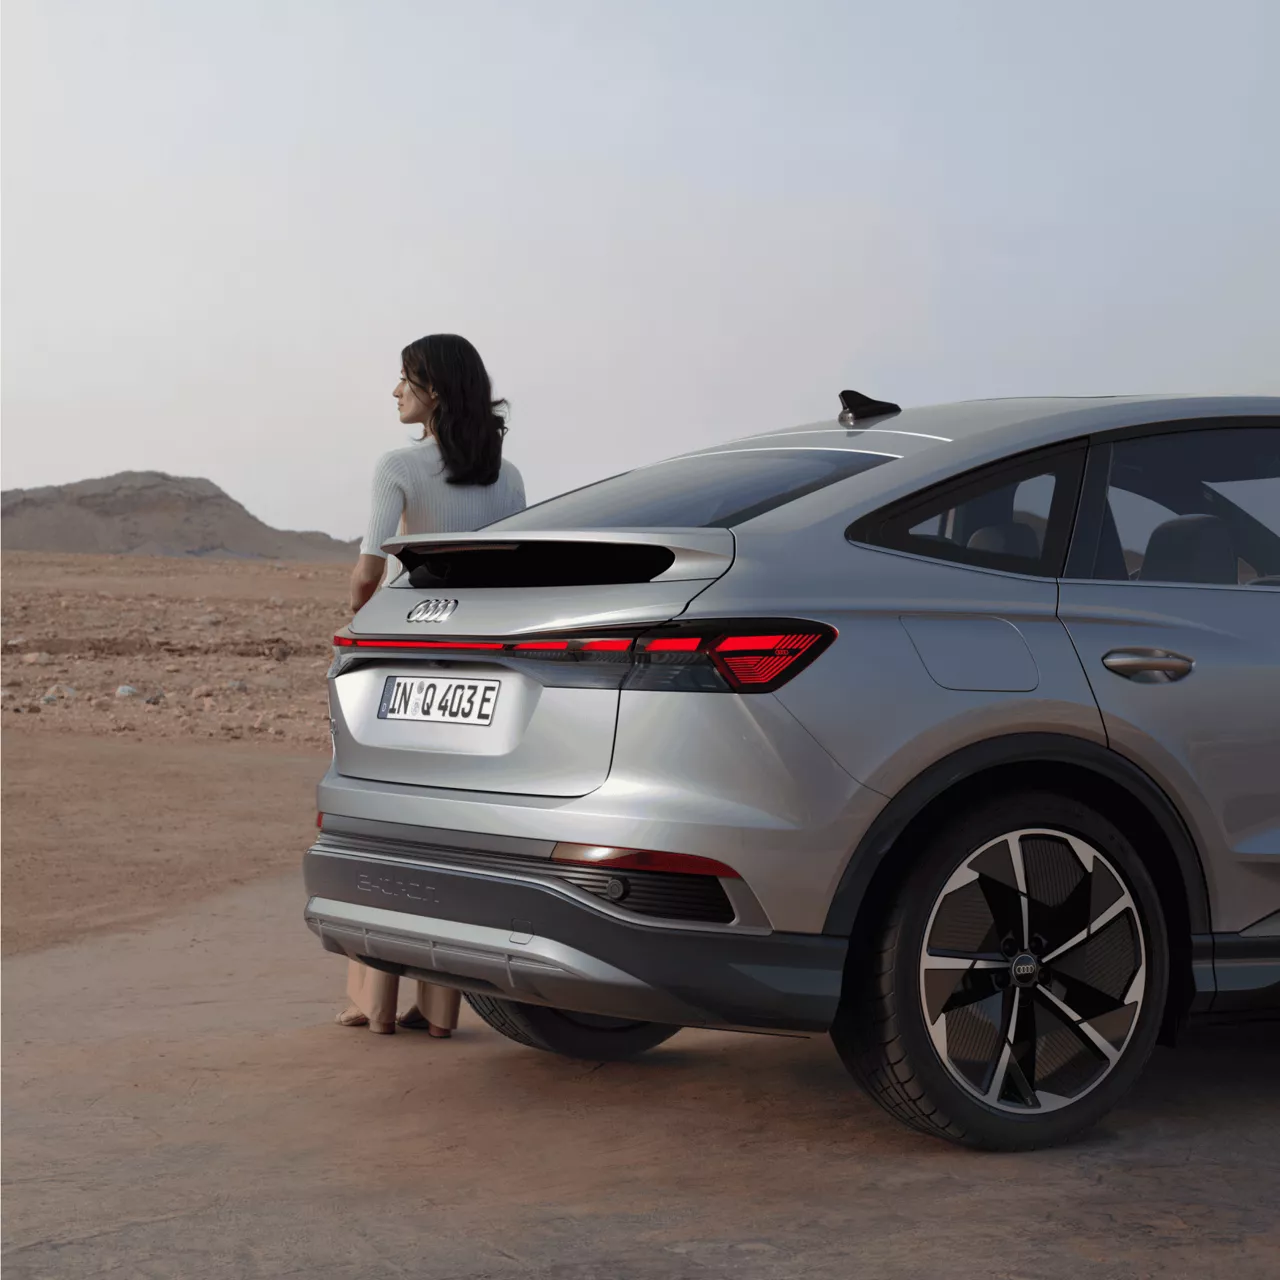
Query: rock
237	686
36	659
49	699
276	602
280	652
126	691
202	691
156	698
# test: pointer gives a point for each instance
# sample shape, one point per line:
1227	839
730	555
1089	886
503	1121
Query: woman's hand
365	578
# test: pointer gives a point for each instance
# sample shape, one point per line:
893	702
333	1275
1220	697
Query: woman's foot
354	1018
412	1020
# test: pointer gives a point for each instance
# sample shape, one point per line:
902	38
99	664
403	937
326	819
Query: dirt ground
178	1102
167	648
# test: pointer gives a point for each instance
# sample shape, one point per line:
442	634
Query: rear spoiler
560	558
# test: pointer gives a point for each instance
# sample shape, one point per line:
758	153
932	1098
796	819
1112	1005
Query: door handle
1148	666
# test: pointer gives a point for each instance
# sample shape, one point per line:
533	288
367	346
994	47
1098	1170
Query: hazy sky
663	224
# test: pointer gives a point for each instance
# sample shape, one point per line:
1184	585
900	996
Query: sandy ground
178	1102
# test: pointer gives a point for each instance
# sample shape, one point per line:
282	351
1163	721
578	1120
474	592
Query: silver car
952	731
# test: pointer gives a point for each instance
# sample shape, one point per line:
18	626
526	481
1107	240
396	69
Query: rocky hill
150	513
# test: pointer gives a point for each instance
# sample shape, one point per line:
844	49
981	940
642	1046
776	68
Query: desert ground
179	1103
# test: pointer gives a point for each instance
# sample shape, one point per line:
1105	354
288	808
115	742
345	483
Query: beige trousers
376	995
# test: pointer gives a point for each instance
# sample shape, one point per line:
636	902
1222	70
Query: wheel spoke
1020	876
1006	1050
933	960
1094	926
1103	1046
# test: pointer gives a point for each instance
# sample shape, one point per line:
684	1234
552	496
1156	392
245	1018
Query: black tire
896	1040
571	1035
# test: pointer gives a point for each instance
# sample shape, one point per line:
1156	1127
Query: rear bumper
512	936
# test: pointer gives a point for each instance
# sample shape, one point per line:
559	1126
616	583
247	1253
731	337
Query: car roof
932	443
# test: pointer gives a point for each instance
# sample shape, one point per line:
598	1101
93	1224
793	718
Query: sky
663	224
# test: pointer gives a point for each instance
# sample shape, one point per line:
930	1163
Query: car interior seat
1011	538
1194	548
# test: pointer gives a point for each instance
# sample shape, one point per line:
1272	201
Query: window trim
1067	459
1082	555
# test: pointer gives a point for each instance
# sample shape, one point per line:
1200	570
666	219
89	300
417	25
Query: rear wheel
572	1035
1016	988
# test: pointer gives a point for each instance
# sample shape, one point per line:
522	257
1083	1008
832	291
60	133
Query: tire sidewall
986	1125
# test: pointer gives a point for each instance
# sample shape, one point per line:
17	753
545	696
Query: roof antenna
856	406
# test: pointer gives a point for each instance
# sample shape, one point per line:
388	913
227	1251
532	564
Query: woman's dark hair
468	424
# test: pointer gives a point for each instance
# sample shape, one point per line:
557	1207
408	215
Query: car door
1172	598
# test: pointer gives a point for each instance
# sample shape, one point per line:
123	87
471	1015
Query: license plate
439	699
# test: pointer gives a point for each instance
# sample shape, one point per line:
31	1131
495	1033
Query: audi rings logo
432	611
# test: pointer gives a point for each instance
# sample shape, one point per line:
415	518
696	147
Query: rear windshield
707	491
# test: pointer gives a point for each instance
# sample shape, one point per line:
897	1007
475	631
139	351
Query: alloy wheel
1033	971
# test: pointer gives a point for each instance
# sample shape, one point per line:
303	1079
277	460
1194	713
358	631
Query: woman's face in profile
415	406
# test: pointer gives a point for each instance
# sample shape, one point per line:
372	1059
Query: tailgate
541	738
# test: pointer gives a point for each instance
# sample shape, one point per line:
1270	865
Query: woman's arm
364	580
385	511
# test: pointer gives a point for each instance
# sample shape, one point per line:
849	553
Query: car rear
556	780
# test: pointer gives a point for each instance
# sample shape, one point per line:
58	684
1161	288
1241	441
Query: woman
453	480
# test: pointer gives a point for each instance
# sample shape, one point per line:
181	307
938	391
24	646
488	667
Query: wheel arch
1071	766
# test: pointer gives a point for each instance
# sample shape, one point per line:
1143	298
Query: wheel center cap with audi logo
432	611
1025	969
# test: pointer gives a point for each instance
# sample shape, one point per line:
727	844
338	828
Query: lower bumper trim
529	942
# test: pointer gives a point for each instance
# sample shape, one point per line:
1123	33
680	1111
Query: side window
1016	517
1197	507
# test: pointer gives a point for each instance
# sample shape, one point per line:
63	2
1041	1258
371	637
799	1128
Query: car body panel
871	700
1211	738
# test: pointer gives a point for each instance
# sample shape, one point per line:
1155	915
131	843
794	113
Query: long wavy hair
468	423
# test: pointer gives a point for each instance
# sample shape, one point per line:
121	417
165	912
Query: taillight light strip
746	657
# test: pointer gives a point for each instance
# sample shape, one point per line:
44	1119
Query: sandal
412	1020
354	1018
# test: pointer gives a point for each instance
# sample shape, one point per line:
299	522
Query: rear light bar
757	655
611	859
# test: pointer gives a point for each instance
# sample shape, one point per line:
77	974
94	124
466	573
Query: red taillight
754	660
348	642
676	644
752	656
606	856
